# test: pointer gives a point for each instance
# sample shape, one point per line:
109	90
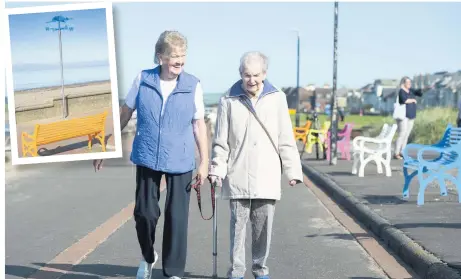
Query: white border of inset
113	79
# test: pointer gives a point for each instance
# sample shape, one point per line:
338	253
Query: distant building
372	94
311	93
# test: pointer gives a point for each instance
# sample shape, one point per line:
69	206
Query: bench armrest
416	146
359	142
367	139
27	136
316	131
341	134
440	150
300	130
410	146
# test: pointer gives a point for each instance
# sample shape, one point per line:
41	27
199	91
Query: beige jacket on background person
242	154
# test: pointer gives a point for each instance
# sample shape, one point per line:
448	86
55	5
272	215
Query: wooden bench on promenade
448	158
92	126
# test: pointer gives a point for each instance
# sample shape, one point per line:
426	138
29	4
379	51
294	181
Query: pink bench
343	143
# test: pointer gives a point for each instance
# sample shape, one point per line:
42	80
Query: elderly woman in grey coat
253	143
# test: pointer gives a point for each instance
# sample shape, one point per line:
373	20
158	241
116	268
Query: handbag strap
199	199
247	105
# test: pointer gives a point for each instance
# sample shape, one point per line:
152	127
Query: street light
334	101
297	78
61	21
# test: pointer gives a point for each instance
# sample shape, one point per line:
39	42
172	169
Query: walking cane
215	234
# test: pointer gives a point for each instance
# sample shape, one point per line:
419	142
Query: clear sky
33	46
376	40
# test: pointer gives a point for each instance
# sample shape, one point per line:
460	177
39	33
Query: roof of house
388	93
387	82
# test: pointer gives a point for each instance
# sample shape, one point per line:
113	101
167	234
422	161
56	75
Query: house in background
444	92
311	94
373	95
354	101
388	99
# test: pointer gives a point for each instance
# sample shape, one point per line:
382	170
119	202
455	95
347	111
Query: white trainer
145	269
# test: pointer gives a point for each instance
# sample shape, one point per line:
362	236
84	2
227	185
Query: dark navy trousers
147	213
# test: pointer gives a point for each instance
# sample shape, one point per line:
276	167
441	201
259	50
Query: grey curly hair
253	56
167	41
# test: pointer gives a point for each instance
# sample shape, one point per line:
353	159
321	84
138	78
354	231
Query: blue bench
448	157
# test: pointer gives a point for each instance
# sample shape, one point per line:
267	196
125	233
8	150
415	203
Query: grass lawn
357	120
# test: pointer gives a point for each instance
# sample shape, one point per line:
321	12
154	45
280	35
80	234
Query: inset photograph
62	83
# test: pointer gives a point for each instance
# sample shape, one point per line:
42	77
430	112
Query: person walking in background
407	96
170	121
247	159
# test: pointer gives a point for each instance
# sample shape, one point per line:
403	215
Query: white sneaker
174	277
145	269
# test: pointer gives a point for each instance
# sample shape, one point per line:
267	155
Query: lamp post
334	101
61	21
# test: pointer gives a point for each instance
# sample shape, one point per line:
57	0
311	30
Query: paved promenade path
435	226
64	220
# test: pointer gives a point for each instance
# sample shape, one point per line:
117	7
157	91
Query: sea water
29	79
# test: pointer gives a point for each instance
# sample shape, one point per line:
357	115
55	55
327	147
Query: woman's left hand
202	174
293	182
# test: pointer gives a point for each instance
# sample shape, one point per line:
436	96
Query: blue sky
35	48
376	40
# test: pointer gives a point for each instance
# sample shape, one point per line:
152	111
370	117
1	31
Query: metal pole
334	102
215	235
64	109
297	81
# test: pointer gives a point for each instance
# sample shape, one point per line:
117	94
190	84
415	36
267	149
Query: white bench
378	149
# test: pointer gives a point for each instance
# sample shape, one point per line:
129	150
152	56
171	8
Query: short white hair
167	41
252	57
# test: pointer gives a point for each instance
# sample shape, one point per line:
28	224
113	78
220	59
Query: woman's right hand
215	180
97	164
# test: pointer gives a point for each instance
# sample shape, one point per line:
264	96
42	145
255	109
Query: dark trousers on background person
147	213
458	123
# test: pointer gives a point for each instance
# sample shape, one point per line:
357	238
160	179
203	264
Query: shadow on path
383	199
429	225
70	147
86	271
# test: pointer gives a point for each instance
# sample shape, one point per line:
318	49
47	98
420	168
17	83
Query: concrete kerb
423	262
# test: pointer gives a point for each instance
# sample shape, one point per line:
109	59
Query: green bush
429	124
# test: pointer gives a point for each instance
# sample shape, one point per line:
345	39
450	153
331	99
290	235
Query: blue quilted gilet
165	142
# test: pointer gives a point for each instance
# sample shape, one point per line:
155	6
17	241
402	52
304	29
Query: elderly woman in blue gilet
170	121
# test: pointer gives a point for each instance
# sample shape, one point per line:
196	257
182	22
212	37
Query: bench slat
68	129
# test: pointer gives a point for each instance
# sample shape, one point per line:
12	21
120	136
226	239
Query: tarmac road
67	208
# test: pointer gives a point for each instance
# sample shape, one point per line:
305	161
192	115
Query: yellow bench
300	133
317	136
91	126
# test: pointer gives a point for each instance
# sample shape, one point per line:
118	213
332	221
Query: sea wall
74	105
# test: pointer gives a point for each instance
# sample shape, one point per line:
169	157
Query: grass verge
429	126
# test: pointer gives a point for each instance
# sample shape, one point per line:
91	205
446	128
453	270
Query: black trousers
147	212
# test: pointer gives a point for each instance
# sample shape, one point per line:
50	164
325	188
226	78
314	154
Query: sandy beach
42	96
